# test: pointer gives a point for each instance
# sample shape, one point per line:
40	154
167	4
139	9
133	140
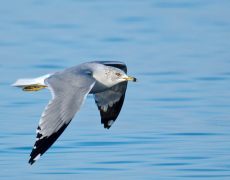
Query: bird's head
120	76
110	76
115	76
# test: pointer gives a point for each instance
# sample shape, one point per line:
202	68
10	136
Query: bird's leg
34	87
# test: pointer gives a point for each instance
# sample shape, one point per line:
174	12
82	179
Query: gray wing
110	102
67	100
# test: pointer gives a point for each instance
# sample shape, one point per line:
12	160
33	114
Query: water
175	121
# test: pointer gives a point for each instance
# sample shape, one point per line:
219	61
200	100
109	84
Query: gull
106	80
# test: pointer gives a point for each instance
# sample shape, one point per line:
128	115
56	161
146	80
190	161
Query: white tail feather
32	81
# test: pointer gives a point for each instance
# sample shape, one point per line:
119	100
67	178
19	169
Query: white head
109	76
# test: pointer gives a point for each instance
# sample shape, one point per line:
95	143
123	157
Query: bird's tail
33	84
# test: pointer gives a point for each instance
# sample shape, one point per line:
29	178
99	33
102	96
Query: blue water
175	122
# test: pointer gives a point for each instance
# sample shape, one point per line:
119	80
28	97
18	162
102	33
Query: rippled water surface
175	122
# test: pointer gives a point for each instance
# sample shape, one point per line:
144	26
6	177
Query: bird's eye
118	74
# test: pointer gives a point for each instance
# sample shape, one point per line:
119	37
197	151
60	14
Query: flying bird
106	80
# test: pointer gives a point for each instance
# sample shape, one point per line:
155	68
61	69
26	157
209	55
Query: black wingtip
44	143
106	126
31	161
108	123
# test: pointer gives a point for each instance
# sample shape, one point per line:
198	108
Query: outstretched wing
110	102
67	100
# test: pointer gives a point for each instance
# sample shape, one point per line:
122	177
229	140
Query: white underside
32	81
